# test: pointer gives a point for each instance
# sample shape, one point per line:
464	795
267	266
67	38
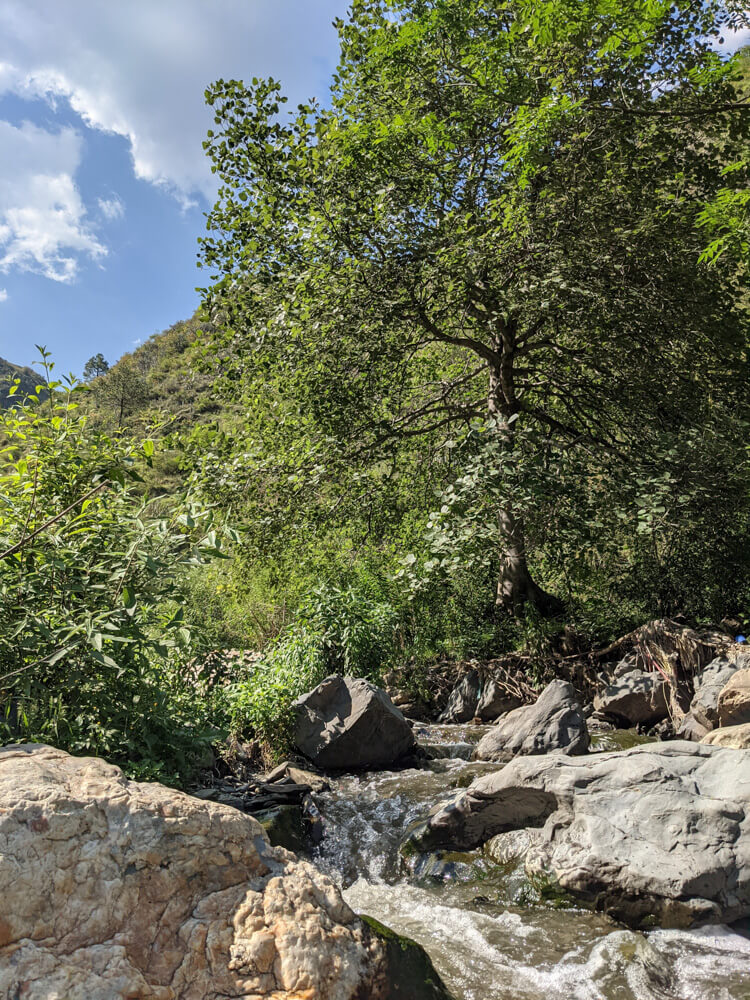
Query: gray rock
705	704
495	701
348	723
553	722
462	703
635	697
656	834
691	729
734	699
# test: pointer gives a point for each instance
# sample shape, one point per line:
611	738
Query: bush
90	633
334	631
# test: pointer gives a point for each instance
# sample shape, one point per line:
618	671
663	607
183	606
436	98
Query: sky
104	183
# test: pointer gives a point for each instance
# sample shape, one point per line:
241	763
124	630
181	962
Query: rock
691	729
734	737
734	699
634	698
655	834
504	848
412	972
349	724
463	700
112	888
705	704
495	701
554	722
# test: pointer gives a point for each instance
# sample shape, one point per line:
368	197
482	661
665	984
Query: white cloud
139	69
43	224
3	295
112	208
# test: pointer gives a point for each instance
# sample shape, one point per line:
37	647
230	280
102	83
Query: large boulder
463	699
346	723
494	701
705	704
734	699
633	698
113	888
659	833
554	722
735	737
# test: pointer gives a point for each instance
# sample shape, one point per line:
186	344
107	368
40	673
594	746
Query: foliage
88	568
491	232
334	631
95	366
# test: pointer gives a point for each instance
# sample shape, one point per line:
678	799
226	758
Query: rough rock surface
113	888
635	697
656	833
734	700
462	703
705	704
735	737
347	723
691	729
554	722
495	701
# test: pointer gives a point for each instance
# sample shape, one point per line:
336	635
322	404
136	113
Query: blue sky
103	180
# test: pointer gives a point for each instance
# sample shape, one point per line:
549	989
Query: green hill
29	380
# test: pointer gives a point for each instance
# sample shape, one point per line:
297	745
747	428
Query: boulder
655	834
691	729
112	888
705	704
462	703
495	701
554	722
734	699
349	724
734	737
635	698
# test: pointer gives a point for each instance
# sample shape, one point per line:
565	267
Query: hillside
162	390
29	380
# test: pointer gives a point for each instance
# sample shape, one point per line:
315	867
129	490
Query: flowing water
488	934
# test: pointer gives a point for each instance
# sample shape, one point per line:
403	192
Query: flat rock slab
659	834
112	888
554	722
346	723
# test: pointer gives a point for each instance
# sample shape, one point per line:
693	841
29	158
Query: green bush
334	631
90	631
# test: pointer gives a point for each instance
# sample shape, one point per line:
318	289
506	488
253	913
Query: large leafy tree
491	229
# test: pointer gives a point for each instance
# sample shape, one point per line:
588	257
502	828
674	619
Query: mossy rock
411	974
285	827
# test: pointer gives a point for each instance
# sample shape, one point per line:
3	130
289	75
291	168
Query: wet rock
734	737
653	835
412	974
349	724
634	698
463	700
734	700
495	701
113	888
554	723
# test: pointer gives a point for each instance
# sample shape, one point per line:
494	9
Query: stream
487	931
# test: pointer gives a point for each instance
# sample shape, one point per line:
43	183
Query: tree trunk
515	586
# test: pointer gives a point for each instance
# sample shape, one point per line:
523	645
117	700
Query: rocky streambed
493	932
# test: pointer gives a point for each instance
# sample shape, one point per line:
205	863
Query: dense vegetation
471	366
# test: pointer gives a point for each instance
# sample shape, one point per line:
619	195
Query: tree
492	231
95	366
122	389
